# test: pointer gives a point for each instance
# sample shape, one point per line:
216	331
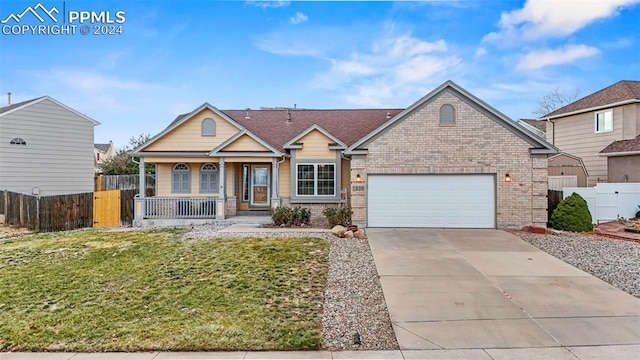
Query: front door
260	185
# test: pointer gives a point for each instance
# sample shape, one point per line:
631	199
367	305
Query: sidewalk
613	352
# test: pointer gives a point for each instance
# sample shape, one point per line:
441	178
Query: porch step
253	213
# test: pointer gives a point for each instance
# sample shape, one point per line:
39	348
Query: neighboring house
623	159
448	160
601	129
45	148
101	152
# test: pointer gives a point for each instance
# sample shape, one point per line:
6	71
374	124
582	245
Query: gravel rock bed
614	261
353	301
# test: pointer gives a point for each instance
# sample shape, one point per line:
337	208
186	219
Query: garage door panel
460	201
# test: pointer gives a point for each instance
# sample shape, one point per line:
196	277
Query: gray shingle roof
622	146
17	105
102	147
621	91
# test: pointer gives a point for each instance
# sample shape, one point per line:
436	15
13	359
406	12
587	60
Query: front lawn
153	290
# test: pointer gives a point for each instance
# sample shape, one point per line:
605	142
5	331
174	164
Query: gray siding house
46	148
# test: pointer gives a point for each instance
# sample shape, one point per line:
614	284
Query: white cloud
299	18
541	58
396	68
352	67
480	52
550	18
268	3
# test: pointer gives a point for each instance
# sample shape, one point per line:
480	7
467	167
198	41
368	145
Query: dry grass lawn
152	290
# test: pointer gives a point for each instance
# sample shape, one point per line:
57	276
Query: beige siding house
45	148
102	152
587	126
449	160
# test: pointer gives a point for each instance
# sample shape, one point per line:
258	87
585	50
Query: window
208	127
17	141
316	180
181	179
245	183
447	115
604	121
209	178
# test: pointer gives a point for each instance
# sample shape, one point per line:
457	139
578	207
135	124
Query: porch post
275	200
141	179
222	193
138	202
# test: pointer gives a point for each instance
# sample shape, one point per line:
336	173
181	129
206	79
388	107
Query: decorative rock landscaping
355	315
614	261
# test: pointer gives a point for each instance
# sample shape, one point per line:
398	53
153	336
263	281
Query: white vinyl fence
609	201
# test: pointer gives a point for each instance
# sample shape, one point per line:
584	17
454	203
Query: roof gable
226	148
181	119
292	144
540	145
620	92
21	105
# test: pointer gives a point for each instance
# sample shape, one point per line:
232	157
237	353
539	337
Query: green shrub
572	214
290	216
338	216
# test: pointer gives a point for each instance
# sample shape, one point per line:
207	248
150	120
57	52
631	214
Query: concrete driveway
452	291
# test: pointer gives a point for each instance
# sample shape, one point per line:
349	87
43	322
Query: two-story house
603	130
45	148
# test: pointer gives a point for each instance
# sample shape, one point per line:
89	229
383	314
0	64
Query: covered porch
193	190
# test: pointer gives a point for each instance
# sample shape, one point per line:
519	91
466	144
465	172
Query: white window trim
315	180
595	121
210	172
188	172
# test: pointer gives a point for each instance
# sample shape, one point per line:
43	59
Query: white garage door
453	201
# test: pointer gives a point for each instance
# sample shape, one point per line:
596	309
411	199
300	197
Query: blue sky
173	56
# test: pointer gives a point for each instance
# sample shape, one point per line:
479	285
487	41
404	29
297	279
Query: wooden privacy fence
126	205
553	199
48	213
123	182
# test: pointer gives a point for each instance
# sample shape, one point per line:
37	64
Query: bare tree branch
554	100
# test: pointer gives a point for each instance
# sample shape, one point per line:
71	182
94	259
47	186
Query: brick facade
476	144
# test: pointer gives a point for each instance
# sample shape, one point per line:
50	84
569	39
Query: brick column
358	190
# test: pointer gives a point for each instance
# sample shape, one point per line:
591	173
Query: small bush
572	214
338	216
290	216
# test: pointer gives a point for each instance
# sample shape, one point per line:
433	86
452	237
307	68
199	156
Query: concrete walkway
486	294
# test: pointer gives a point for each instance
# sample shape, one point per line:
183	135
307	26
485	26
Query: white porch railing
179	208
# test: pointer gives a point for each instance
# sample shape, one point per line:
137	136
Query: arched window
447	115
17	141
181	179
208	127
209	178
